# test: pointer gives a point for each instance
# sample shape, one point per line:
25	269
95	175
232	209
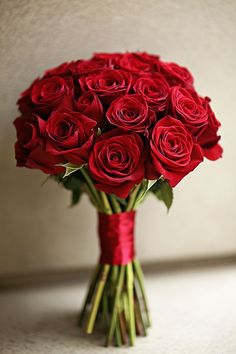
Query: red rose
107	84
47	94
28	148
69	134
131	112
187	107
90	105
83	67
62	70
138	62
27	138
175	75
155	90
112	58
173	152
207	137
42	160
148	58
126	95
117	162
24	102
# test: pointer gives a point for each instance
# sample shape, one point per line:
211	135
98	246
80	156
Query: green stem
139	311
106	205
91	196
123	328
130	290
132	198
97	298
91	187
115	205
138	324
89	293
140	278
141	195
105	308
116	305
114	275
118	334
126	306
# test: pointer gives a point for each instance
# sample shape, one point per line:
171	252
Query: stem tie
116	236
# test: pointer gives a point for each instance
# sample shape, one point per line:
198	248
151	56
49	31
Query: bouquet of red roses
116	127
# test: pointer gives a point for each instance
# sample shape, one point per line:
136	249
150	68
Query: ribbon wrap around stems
116	235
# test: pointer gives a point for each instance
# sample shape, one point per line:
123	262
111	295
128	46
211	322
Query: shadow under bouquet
116	127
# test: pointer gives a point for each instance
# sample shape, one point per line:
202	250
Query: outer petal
213	153
174	177
44	161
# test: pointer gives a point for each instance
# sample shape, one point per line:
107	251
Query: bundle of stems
116	296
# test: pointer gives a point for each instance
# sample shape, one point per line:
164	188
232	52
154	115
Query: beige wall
38	231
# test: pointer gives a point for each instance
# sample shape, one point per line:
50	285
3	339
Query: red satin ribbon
116	235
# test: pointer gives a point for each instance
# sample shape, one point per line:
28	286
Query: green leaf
72	182
163	191
75	196
145	186
150	184
142	192
70	168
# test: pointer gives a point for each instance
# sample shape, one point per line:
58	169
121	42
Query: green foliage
163	191
145	186
75	196
73	180
73	183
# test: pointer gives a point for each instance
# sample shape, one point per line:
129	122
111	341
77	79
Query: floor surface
193	312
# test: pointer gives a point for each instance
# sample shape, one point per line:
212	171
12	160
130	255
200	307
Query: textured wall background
38	231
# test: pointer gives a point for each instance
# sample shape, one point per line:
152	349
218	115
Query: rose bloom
63	69
131	112
187	106
29	150
70	135
173	151
90	105
175	74
83	67
138	62
113	59
108	84
207	137
117	162
155	90
46	94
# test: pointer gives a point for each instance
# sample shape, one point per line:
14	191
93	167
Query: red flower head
117	162
173	151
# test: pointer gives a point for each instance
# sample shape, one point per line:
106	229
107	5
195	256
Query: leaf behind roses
163	191
75	196
73	184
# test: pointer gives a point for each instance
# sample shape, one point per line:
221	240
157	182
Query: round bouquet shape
116	127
